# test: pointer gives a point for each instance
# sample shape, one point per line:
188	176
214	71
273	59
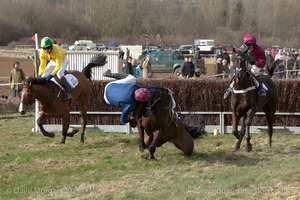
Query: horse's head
240	66
27	96
160	101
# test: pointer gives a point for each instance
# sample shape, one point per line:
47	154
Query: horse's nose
21	109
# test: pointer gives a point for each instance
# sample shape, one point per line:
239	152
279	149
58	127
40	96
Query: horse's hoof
50	135
70	134
249	148
236	148
237	136
152	158
142	148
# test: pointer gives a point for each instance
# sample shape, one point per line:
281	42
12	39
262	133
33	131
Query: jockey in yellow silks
58	62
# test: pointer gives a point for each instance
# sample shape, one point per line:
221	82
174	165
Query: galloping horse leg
83	120
242	134
248	124
40	121
66	125
269	118
152	146
235	123
141	131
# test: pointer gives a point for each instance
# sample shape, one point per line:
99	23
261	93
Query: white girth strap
247	89
244	90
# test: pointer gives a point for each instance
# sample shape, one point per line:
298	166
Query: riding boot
67	88
261	91
117	76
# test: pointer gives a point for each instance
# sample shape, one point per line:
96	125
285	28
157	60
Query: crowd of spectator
290	65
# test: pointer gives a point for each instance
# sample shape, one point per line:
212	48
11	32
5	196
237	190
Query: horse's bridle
31	99
241	71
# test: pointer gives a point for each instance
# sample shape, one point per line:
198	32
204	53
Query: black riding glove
252	62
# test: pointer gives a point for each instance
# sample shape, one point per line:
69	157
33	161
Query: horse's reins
168	107
31	88
30	100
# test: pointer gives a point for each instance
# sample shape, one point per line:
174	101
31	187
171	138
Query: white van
206	46
80	45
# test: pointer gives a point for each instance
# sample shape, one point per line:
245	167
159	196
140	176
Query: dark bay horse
244	100
51	98
162	125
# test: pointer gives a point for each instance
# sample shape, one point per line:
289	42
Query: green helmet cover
46	42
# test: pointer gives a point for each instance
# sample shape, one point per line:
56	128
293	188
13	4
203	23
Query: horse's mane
34	80
159	88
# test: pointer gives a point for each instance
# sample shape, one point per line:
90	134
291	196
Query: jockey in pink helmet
256	57
126	93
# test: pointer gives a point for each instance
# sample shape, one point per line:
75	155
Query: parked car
100	46
185	47
229	47
82	45
170	62
65	46
207	46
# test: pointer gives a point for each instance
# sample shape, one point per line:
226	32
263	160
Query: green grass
109	166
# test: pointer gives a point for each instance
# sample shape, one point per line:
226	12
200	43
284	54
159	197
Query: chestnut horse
51	98
162	125
244	100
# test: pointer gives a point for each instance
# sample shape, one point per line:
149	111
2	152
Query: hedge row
199	95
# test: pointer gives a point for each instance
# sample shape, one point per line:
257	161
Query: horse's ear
235	50
28	82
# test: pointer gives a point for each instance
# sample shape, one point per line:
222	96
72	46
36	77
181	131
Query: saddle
71	79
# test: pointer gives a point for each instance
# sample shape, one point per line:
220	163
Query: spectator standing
134	65
192	66
147	51
199	63
127	69
219	54
280	69
139	70
273	53
147	69
121	54
185	69
221	67
289	63
269	58
297	64
127	53
226	56
17	76
197	54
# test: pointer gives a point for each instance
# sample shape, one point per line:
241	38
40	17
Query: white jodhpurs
256	71
51	66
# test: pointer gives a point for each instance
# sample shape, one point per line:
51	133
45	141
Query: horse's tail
272	67
97	60
195	131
